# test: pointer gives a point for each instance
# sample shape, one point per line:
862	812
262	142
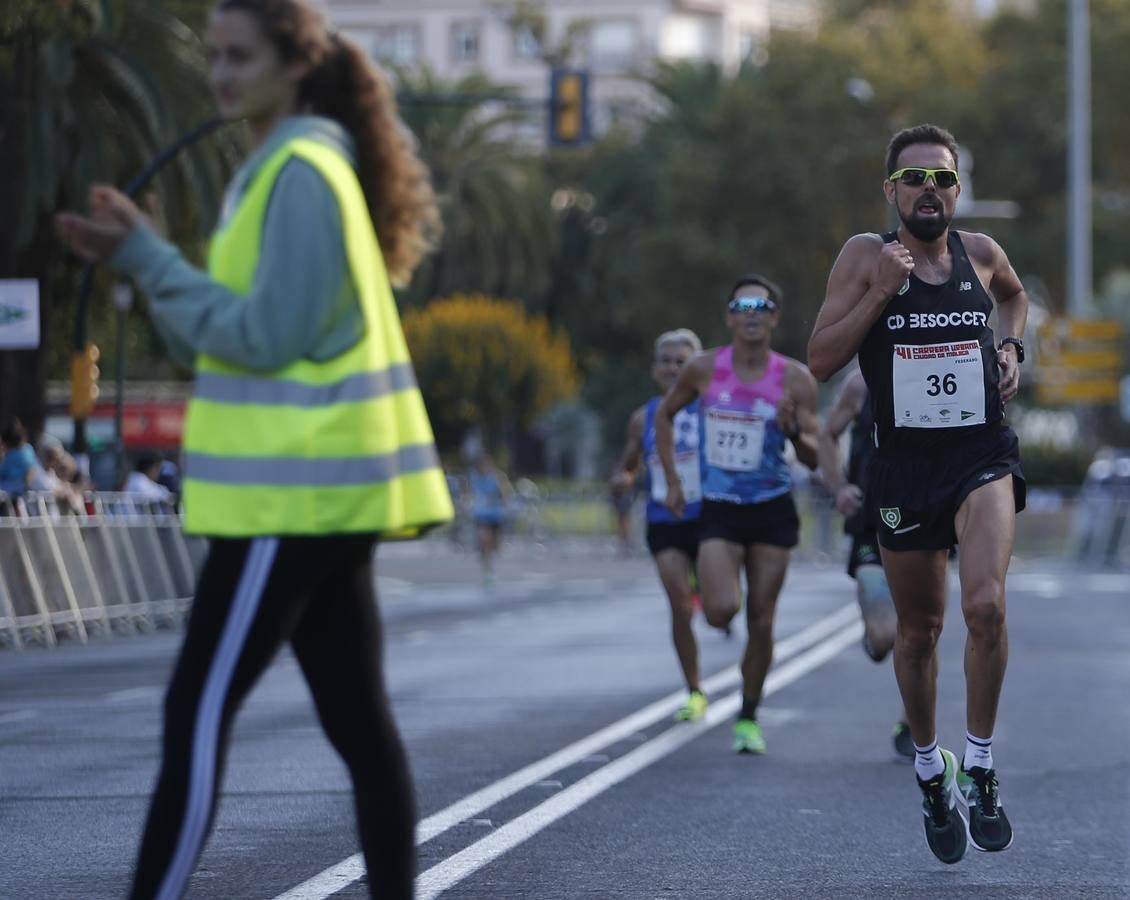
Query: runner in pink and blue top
753	402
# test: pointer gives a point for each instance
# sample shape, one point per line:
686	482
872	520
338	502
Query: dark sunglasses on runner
913	176
751	304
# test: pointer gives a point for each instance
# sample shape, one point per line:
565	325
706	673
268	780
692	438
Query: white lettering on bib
938	385
734	440
686	467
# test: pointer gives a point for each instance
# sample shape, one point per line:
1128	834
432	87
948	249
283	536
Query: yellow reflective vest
316	447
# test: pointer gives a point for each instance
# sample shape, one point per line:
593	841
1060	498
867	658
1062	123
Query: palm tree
89	90
498	234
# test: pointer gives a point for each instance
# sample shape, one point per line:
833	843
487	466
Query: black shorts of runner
681	536
913	500
773	522
864	551
492	525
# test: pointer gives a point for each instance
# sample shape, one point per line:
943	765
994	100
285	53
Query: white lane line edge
335	878
466	862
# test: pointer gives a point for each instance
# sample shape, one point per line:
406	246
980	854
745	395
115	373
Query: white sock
978	752
928	761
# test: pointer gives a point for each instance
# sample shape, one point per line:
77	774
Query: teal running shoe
989	828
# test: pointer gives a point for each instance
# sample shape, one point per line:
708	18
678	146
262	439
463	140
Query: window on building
613	45
398	44
465	41
691	36
526	44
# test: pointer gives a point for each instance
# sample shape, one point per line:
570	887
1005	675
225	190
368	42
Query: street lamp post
123	300
1079	277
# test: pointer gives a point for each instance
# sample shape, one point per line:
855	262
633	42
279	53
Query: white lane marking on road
336	877
455	868
137	693
384	583
20	715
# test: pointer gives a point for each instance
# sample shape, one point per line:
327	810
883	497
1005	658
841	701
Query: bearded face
924	208
928	218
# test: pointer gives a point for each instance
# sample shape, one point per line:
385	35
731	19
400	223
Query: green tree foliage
498	237
488	363
91	91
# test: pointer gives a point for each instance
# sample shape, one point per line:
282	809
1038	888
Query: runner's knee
719	616
984	610
919	635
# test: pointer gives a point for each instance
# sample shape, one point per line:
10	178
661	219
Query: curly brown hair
344	85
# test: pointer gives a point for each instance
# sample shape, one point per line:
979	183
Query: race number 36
938	385
941	384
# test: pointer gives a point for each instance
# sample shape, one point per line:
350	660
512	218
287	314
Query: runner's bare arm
624	475
806	424
848	405
1012	317
865	276
692	379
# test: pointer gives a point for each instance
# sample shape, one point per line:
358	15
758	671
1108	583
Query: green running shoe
747	737
945	828
989	828
694	708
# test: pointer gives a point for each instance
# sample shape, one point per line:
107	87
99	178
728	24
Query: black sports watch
1017	343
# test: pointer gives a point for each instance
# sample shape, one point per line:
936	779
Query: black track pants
254	595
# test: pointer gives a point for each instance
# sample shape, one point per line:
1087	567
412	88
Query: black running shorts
773	522
913	499
681	536
864	551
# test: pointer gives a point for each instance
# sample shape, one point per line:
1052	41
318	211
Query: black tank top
933	352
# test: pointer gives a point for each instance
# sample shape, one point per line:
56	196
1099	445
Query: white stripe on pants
209	715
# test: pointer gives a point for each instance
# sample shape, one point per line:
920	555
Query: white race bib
938	385
686	467
734	440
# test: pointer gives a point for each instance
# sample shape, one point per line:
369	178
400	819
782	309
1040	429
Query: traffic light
568	107
84	381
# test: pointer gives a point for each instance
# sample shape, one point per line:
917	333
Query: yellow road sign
1105	390
1090	361
1094	329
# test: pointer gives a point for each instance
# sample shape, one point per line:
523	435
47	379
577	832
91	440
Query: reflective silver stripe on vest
250	389
291	471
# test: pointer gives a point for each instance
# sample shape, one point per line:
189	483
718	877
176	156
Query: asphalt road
537	720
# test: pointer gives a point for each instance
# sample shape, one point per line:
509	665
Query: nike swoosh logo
908	528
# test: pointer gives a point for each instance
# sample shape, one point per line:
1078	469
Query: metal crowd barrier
124	564
1101	526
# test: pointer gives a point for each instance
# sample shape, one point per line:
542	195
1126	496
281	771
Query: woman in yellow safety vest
306	438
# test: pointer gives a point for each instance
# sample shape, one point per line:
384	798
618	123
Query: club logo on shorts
891	516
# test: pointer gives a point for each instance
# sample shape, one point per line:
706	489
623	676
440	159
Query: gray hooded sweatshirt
302	304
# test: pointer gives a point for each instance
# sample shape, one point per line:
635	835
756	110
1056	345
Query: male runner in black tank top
915	305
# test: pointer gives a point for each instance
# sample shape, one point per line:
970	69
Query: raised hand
892	267
97	237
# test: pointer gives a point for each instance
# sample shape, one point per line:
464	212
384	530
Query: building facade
614	40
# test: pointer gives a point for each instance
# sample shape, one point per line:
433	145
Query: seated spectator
168	476
142	481
19	467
